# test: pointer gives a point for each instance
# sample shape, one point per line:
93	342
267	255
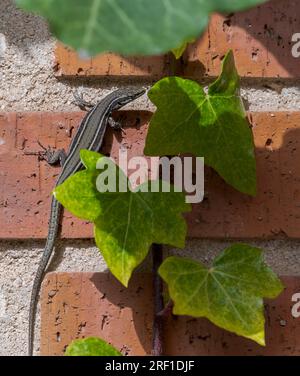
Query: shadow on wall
273	25
275	211
261	39
134	306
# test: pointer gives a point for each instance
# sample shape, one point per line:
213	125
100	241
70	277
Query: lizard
89	135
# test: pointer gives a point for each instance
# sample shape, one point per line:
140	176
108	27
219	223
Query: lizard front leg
115	124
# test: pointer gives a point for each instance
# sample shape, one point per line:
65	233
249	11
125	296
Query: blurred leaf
129	27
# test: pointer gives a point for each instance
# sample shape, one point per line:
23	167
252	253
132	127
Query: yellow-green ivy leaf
126	223
91	346
230	293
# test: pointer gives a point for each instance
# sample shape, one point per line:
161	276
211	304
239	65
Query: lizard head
129	94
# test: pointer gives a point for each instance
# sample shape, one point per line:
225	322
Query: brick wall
36	105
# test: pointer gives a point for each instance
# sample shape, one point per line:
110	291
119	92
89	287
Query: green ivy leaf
130	27
91	346
178	52
212	125
230	293
126	224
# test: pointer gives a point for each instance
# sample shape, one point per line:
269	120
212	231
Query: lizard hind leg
53	157
56	156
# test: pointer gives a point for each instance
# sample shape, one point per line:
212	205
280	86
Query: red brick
68	63
260	39
225	213
124	317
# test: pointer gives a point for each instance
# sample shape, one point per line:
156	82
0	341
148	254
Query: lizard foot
51	156
80	102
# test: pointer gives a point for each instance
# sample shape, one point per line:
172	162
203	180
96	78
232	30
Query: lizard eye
123	102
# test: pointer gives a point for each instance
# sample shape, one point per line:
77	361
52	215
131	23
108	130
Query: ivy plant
210	124
213	125
130	27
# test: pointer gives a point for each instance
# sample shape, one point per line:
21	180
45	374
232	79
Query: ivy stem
157	259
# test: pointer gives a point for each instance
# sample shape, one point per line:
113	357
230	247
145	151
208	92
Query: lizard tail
49	247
